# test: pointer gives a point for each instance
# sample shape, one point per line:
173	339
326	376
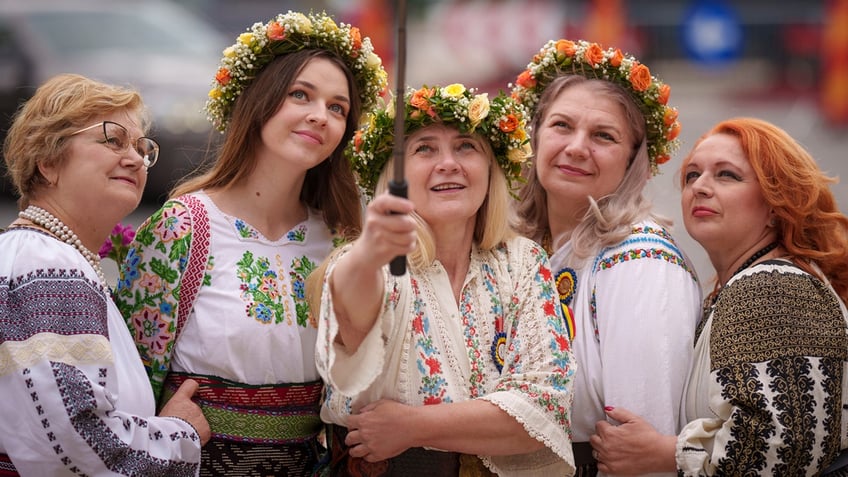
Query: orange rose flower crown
581	57
288	33
500	120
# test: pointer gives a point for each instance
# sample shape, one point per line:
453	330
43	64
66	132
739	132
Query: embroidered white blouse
75	397
636	306
506	342
767	391
250	322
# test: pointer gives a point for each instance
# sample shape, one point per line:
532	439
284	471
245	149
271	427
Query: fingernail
608	408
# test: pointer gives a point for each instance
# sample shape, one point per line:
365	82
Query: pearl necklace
45	219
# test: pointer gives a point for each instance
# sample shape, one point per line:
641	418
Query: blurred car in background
163	50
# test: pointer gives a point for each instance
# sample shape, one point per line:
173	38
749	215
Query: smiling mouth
442	187
572	170
702	212
314	138
125	179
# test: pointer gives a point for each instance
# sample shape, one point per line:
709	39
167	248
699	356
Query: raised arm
356	282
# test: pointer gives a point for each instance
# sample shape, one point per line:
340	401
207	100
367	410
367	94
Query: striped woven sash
263	414
7	469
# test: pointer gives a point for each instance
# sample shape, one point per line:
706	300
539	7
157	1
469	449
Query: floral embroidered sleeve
148	288
535	385
778	351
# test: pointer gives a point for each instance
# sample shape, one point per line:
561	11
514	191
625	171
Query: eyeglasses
117	138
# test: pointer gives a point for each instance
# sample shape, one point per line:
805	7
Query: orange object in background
606	23
834	61
376	20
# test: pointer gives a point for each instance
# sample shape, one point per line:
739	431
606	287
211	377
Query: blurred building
486	43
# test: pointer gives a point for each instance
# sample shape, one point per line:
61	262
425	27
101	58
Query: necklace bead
756	256
49	222
713	296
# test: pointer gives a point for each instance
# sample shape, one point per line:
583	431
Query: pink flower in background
117	245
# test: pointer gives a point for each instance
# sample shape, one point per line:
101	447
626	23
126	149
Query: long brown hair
329	186
810	226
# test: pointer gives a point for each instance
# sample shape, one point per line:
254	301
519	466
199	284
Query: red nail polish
608	408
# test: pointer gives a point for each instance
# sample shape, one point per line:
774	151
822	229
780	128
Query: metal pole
398	185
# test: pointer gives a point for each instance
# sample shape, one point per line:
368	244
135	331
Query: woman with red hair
767	390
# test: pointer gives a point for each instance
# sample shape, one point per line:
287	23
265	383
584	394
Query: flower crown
590	60
288	33
501	120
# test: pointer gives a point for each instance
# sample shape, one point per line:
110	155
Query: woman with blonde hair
460	366
75	399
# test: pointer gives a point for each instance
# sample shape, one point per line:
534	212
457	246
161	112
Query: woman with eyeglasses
75	398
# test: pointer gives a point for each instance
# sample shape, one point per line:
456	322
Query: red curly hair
810	226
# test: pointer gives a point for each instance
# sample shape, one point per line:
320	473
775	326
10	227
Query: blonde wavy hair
495	224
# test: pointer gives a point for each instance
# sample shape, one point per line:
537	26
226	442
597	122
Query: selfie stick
397	185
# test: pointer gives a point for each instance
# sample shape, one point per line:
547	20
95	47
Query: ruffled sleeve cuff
351	373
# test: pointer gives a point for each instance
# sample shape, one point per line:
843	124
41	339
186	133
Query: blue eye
338	109
423	148
298	94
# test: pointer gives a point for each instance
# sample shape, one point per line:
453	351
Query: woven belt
7	469
263	414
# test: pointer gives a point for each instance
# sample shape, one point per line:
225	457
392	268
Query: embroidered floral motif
128	269
300	269
639	253
472	333
260	289
593	311
266	294
173	224
433	384
639	247
297	234
560	347
151	332
150	309
244	230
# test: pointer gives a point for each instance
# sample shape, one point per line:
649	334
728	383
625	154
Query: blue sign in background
712	33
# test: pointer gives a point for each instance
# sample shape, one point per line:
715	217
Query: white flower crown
287	33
